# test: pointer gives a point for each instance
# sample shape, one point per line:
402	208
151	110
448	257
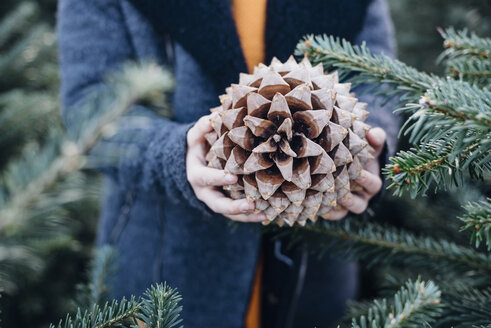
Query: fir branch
478	219
455	112
112	314
434	164
464	304
446	150
17	20
160	307
16	58
380	244
393	76
27	114
13	213
451	99
135	82
474	70
416	304
13	260
460	101
463	43
101	269
467	307
452	114
48	228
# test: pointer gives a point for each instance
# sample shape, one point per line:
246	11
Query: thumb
196	133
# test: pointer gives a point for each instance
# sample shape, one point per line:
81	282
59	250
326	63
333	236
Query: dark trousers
299	289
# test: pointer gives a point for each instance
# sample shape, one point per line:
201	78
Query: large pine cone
294	135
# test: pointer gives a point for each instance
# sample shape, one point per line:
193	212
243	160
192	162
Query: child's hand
204	180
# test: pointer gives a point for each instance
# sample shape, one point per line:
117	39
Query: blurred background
47	230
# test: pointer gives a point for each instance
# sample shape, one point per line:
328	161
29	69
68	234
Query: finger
219	203
354	203
336	214
256	217
372	183
373	166
204	176
376	138
196	133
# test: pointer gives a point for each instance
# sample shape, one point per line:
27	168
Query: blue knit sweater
150	213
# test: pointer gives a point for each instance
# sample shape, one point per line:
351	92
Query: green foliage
467	307
111	314
474	70
478	219
16	21
382	244
97	288
28	182
159	307
48	200
392	76
464	44
457	108
450	121
460	305
415	21
449	125
416	304
29	139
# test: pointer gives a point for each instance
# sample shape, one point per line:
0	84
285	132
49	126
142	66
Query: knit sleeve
94	41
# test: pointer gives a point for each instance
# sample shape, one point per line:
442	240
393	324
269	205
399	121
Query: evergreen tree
159	306
418	44
449	126
48	199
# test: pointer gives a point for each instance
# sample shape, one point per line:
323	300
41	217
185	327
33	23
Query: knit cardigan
150	214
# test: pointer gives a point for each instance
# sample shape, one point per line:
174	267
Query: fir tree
48	199
158	307
449	126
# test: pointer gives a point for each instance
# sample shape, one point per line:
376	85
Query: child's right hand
204	180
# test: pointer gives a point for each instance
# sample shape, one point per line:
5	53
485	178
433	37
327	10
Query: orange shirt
250	20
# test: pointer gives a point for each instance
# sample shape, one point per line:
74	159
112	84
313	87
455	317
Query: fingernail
247	207
230	178
379	136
